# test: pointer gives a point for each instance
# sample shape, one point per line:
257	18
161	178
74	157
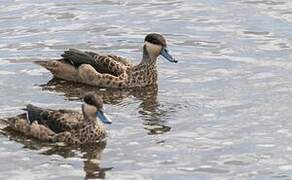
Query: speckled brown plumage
109	70
66	126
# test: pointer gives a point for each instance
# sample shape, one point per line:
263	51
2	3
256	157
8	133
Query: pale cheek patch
153	48
89	110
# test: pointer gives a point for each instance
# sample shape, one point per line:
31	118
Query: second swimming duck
66	126
111	71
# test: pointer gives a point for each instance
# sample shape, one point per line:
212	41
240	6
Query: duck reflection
149	108
91	155
151	112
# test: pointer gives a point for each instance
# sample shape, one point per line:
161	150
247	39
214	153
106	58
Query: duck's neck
92	123
147	63
145	73
148	59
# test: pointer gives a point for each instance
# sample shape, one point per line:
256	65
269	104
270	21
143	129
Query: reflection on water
90	155
76	91
151	112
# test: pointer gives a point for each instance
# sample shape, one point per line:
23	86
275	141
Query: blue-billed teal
70	127
111	71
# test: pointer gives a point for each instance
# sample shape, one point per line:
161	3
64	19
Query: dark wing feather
56	120
109	64
77	58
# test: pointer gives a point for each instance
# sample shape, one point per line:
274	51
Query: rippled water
222	112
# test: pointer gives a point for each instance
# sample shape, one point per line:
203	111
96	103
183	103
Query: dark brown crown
94	100
156	38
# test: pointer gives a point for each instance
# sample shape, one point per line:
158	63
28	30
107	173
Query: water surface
222	112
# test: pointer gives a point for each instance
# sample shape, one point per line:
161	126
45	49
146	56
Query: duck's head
93	108
155	45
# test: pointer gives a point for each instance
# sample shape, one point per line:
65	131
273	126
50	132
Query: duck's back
90	68
109	64
56	120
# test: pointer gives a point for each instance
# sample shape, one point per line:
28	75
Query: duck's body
56	120
109	70
70	127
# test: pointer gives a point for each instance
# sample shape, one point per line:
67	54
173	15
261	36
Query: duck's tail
41	63
67	67
4	122
72	56
49	65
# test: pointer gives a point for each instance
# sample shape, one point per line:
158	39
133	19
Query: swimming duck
111	71
70	127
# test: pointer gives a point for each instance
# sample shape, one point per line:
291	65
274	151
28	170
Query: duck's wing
90	68
56	120
120	59
93	58
109	64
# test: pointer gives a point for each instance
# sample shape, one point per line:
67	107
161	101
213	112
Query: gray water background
222	112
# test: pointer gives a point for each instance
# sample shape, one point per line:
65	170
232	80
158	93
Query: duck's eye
89	100
154	41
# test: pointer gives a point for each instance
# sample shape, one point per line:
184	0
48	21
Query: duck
66	126
111	71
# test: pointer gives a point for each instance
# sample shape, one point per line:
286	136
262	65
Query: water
222	112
